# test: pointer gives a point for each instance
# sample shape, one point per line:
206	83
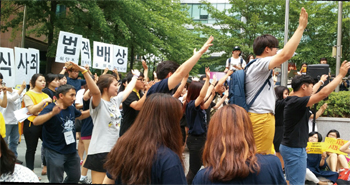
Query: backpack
237	88
344	177
229	62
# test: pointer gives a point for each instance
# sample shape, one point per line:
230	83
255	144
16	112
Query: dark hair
323	59
1	77
8	158
303	63
202	77
50	77
318	135
336	132
299	80
250	55
165	67
152	128
193	92
130	75
34	78
230	150
261	42
279	90
122	87
104	81
60	76
63	89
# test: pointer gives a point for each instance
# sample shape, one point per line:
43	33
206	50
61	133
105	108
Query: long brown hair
156	124
193	92
230	149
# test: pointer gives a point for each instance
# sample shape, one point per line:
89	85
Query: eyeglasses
141	79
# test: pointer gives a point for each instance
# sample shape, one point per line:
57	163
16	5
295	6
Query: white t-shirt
20	174
79	96
235	62
106	118
13	104
255	77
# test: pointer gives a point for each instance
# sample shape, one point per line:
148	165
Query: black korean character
2	59
120	60
61	58
34	62
107	54
69	41
86	49
23	63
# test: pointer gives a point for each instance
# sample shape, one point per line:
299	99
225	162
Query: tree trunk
51	23
132	58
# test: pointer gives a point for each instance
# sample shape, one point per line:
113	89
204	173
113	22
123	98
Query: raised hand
144	65
229	72
149	85
345	66
324	78
214	80
106	70
155	74
24	85
56	109
206	45
135	72
303	19
207	72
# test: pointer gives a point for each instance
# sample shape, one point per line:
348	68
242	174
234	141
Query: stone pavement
21	150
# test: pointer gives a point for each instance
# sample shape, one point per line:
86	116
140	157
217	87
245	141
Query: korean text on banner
85	56
103	55
22	61
315	147
120	58
333	145
7	66
34	62
68	47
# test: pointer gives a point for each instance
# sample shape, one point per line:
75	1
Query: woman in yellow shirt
35	100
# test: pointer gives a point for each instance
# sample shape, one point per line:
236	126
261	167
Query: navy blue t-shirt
270	173
166	169
160	87
77	83
54	128
87	126
196	119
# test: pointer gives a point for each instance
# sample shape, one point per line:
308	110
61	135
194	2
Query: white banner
85	57
7	66
34	63
68	47
103	55
120	58
22	61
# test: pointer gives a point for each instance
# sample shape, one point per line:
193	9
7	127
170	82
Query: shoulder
24	174
297	100
201	177
167	157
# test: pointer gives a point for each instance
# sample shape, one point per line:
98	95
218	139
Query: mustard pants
264	132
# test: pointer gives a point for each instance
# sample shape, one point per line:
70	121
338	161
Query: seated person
335	161
316	163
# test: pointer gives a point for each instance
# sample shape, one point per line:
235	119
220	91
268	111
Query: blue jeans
12	137
294	164
58	163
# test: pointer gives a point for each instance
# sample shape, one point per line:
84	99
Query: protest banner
22	61
68	47
103	55
333	145
85	56
120	58
315	147
34	63
7	66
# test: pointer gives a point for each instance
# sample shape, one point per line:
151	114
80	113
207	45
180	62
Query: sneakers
84	180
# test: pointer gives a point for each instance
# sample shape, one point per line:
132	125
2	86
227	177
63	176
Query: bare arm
218	104
116	72
319	83
94	90
34	109
204	89
331	86
105	71
84	114
87	95
223	80
211	87
131	85
64	69
208	102
292	44
145	70
181	87
345	148
320	111
187	66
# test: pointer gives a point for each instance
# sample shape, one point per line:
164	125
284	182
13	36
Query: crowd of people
134	130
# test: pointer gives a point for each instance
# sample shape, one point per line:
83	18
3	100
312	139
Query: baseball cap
236	48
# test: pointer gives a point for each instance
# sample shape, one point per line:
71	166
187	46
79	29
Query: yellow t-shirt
2	126
36	98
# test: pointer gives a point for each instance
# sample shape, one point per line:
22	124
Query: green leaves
338	104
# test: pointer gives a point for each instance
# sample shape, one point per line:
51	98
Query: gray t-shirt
256	75
106	118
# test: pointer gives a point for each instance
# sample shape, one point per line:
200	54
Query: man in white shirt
236	62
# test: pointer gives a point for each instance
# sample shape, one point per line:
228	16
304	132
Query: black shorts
78	124
95	162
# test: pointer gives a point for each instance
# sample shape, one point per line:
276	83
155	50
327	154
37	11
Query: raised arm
210	89
223	80
331	86
208	102
131	85
145	70
94	90
319	83
320	111
137	105
23	86
117	74
204	89
187	66
181	87
105	71
222	100
292	44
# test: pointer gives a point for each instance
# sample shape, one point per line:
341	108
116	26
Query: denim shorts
294	164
